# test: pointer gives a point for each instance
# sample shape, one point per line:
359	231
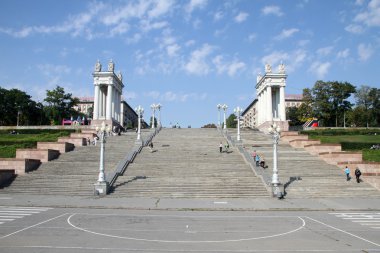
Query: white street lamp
140	111
237	111
219	106
224	107
153	107
275	130
101	187
159	106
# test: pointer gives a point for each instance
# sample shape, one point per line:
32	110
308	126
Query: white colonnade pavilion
270	91
107	95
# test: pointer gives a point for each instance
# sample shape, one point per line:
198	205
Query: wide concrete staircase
186	163
305	175
74	173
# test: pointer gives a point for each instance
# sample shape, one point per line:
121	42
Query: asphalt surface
123	230
77	224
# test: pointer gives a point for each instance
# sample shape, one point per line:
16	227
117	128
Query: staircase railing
123	164
261	173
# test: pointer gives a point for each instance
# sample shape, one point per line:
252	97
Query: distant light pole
18	116
153	107
275	130
224	107
219	106
159	106
101	187
237	111
140	112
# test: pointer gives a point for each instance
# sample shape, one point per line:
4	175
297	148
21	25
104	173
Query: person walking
347	171
220	147
257	160
254	155
357	174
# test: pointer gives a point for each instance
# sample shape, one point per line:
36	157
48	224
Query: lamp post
153	107
140	112
224	107
101	187
237	111
219	106
18	116
275	130
159	106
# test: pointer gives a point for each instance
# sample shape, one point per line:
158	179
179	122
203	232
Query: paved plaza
120	230
185	196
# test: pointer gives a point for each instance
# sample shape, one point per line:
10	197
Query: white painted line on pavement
6	219
8	216
179	241
361	238
18	231
220	202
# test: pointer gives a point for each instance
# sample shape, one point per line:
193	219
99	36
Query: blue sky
188	55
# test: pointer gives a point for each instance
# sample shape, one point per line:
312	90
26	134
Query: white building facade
107	95
270	93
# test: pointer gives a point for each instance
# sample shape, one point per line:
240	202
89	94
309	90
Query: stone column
109	103
282	104
269	104
96	103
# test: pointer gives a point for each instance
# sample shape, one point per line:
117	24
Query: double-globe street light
159	106
101	186
140	111
224	107
237	111
275	130
155	107
219	106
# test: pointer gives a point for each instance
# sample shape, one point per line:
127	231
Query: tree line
332	104
18	108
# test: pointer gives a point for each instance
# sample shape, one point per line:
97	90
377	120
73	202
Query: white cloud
359	2
172	50
286	33
252	37
365	51
325	51
121	28
53	70
152	94
344	53
292	60
198	61
370	17
231	68
320	69
189	43
218	16
160	8
147	25
355	29
303	43
128	95
241	17
272	10
195	4
134	39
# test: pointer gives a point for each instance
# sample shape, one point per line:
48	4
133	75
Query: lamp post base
101	188
139	142
278	190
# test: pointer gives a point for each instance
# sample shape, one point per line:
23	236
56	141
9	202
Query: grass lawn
368	155
9	143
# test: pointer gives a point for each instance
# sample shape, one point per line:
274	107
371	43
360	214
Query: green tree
374	98
330	101
231	121
292	114
18	107
59	105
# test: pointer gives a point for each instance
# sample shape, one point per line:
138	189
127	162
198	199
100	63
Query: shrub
356	145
